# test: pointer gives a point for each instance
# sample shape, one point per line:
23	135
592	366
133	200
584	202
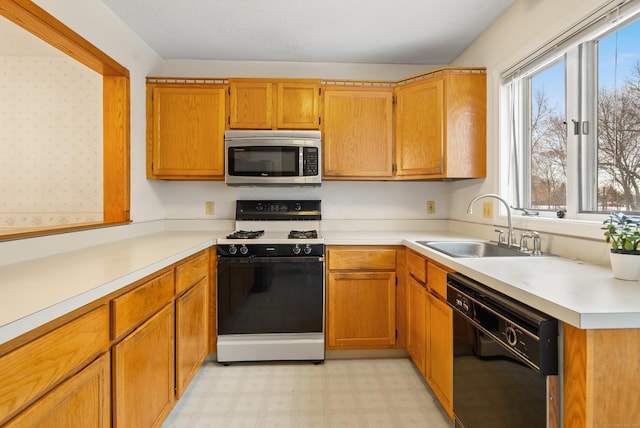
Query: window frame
116	111
578	48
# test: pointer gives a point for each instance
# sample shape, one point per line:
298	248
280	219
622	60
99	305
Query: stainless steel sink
473	249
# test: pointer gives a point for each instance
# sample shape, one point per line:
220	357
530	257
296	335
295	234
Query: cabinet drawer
437	279
189	273
132	308
369	258
417	266
81	401
33	369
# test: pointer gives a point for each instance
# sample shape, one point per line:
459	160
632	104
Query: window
547	142
574	121
618	121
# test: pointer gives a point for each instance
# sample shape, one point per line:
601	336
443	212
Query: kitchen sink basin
473	249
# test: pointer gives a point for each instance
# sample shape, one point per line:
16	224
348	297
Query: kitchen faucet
511	240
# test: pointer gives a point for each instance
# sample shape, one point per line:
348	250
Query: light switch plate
431	207
487	209
209	208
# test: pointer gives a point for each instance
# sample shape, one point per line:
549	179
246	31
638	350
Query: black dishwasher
505	359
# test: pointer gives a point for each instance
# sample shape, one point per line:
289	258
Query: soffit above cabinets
344	31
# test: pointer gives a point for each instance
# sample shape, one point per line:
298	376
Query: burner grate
245	234
303	234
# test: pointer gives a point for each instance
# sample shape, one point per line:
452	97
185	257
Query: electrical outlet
431	207
209	208
487	209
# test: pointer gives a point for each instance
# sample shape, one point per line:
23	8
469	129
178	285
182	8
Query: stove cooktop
276	222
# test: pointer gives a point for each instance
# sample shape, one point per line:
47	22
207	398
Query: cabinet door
250	104
440	360
187	132
416	339
298	105
143	373
419	129
81	401
192	311
361	310
466	128
357	133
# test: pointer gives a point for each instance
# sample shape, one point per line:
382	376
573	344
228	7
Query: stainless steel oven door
491	386
270	308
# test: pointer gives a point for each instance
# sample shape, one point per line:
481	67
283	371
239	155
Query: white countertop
584	295
37	291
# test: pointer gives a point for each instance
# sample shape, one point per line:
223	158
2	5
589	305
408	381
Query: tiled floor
339	393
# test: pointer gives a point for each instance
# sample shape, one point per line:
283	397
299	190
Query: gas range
270	283
275	228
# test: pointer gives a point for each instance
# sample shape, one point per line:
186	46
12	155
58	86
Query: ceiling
351	31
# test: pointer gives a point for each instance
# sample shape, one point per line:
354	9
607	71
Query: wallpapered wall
50	142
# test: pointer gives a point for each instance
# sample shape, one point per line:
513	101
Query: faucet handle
501	238
523	241
536	243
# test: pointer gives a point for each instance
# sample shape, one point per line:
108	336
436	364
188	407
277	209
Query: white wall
326	71
340	199
527	26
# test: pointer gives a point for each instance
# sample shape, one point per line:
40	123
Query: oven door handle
275	259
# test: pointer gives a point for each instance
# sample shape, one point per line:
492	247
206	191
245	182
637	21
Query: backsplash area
50	142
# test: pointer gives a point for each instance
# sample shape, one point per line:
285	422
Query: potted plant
623	233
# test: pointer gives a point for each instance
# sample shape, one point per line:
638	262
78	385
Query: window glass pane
618	135
548	139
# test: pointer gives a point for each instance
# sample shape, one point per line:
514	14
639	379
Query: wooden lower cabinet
416	319
361	310
430	326
192	322
32	370
601	377
84	400
440	358
361	295
143	373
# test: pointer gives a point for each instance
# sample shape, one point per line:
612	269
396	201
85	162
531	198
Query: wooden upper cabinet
274	104
250	104
419	128
357	132
298	105
185	131
440	127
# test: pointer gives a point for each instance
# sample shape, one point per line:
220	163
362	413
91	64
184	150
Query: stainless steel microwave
278	158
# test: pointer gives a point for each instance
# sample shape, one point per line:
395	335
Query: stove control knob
297	206
244	250
512	336
307	249
232	249
296	250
